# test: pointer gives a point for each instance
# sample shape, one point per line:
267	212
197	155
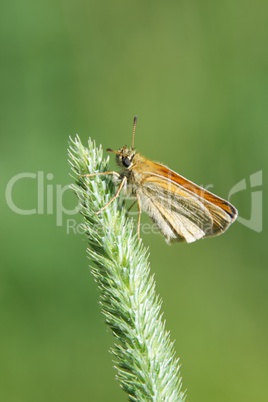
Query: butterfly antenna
134	131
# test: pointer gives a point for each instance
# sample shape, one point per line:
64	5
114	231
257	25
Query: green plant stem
145	358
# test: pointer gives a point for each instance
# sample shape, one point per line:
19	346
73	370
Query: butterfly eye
126	161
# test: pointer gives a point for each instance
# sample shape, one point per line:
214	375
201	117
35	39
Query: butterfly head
124	156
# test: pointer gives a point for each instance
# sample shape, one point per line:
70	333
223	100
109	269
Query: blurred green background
196	75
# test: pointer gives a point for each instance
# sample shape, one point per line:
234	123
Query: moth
182	210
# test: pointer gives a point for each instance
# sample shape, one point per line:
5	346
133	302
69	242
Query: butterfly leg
139	216
110	172
116	194
100	174
129	208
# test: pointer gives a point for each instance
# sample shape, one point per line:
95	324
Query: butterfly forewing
181	209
